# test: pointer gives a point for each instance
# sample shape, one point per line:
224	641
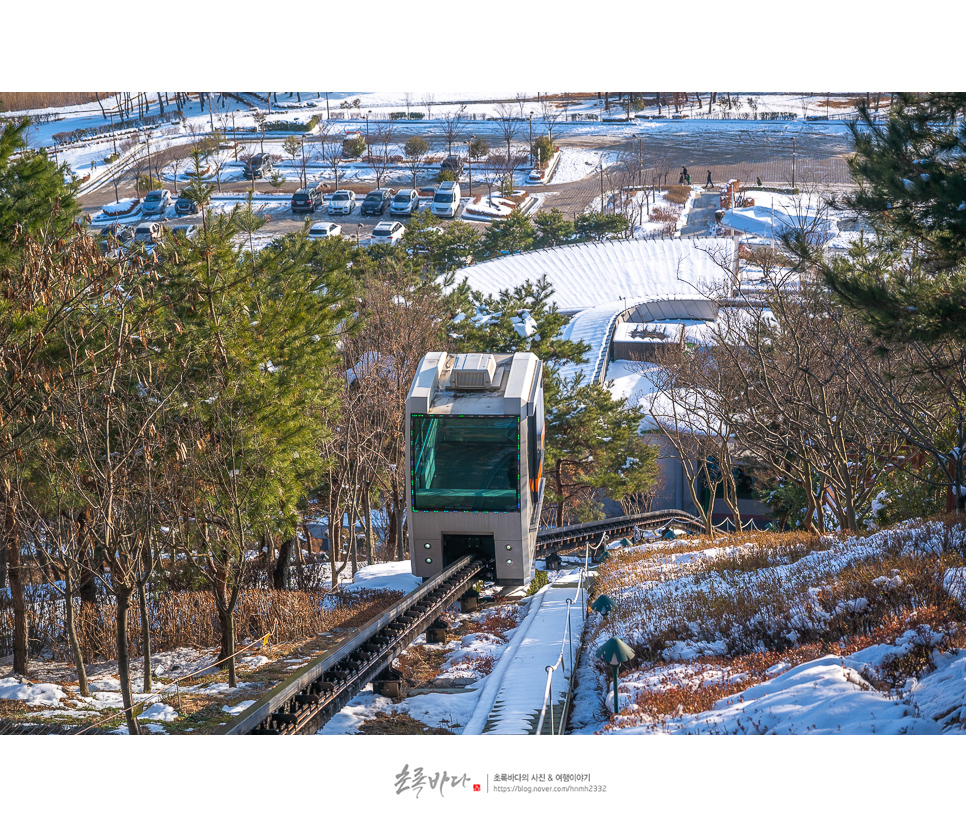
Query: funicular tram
475	427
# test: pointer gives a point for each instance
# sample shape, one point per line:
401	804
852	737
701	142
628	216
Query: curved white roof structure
586	275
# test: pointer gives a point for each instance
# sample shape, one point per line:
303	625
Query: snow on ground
830	695
587	275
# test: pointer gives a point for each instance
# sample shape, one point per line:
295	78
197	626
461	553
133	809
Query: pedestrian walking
689	179
709	184
758	180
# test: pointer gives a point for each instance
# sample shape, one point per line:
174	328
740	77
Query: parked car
156	203
185	206
405	202
147	233
377	202
388	231
321	231
186	230
260	165
454	164
307	200
114	236
342	202
446	200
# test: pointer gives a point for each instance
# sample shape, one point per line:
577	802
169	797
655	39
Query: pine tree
513	233
909	280
33	192
593	442
259	331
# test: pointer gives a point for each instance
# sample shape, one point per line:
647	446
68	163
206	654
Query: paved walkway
512	701
701	215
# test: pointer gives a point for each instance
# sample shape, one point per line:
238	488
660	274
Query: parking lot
801	153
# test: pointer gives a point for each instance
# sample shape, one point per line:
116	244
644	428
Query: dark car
260	165
306	200
185	206
453	164
377	202
115	235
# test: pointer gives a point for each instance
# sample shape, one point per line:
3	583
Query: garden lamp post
602	605
615	652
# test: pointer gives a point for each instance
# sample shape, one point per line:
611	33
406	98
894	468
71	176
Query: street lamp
368	149
469	160
531	139
615	652
602	184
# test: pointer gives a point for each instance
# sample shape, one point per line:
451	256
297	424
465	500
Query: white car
342	202
321	231
148	233
405	202
388	231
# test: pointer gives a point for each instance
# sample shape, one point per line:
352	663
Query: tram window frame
464	498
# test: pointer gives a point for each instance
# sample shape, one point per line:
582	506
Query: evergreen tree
593	443
259	332
594	446
33	191
909	279
508	235
551	229
596	226
441	248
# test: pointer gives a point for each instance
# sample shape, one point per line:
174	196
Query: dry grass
39	101
677	194
189	619
398	724
675	694
422	664
761	598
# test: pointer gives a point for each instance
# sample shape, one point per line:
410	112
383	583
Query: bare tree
415	149
552	115
382	161
508	124
451	127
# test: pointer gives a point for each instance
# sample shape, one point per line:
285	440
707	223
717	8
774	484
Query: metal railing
568	641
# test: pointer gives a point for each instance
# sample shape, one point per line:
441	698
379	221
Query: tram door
455	547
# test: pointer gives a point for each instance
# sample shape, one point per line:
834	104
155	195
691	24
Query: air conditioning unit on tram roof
473	372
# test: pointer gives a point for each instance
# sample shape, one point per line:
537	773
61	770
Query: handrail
568	640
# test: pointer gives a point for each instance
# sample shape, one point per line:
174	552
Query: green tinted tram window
465	464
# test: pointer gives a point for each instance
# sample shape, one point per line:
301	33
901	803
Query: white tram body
475	431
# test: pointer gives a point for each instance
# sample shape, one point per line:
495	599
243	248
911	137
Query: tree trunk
367	512
72	641
226	623
124	660
10	544
282	564
145	635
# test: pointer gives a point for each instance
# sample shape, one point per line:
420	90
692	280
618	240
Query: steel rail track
301	704
574	534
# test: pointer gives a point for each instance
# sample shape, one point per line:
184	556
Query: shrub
544	148
677	194
354	148
539	580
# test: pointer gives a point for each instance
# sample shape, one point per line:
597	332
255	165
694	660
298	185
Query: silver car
405	202
156	203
